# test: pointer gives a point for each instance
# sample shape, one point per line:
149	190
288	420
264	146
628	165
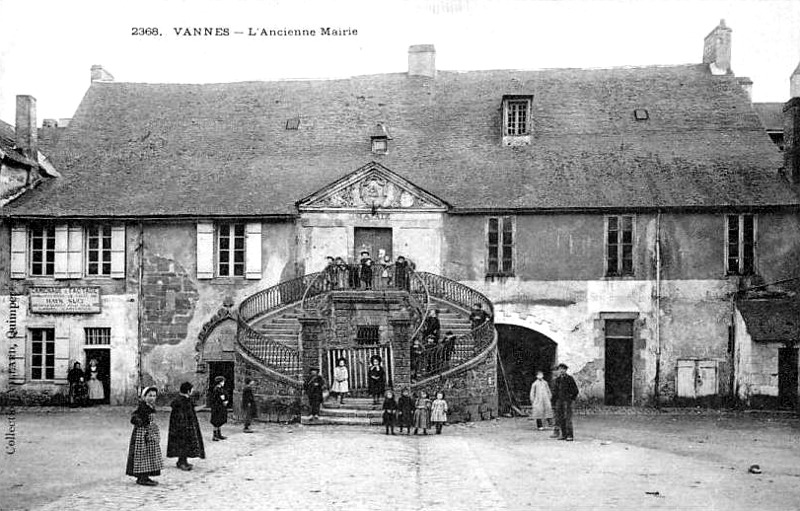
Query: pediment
369	188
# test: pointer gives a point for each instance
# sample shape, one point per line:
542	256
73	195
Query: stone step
277	331
340	421
350	412
354	403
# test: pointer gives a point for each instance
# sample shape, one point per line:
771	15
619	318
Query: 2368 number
144	31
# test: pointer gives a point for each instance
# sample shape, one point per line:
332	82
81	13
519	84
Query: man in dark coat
313	387
565	390
75	377
184	440
402	273
219	407
432	327
248	404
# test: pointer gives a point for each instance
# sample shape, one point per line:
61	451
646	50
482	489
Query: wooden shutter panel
118	252
62	355
75	253
62	252
253	251
19	252
205	250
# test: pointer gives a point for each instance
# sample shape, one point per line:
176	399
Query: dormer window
516	120
380	139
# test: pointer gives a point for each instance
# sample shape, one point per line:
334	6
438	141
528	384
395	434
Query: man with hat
219	408
565	390
314	386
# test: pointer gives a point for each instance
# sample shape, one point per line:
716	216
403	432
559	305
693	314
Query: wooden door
787	378
619	362
375	240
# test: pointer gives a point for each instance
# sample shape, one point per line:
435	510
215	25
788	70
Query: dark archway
522	352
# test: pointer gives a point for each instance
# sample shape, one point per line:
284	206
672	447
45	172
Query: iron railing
275	297
452	352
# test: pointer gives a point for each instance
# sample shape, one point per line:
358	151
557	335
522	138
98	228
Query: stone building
606	218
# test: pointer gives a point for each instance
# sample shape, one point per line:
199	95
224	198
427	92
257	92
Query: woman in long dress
144	451
541	401
184	439
341	377
95	383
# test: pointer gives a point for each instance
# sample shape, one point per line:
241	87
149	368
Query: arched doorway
521	353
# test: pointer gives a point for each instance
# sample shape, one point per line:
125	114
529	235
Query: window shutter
19	252
118	252
253	251
205	250
75	253
62	355
62	252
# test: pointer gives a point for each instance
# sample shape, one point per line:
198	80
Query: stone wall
277	401
471	393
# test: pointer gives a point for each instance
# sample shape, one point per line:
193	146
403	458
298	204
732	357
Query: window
516	117
500	244
43	354
380	145
98	250
619	246
367	334
740	244
98	336
230	250
43	251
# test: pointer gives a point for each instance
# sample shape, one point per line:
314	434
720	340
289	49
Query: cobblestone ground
498	465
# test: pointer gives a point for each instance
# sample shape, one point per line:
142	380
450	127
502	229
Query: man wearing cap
314	386
565	390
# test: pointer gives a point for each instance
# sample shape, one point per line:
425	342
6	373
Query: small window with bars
500	244
230	250
619	246
740	244
42	251
98	250
43	353
98	336
367	334
516	117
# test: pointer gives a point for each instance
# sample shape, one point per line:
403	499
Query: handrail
275	297
317	286
273	354
456	292
424	307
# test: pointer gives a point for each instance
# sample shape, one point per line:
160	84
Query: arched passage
522	352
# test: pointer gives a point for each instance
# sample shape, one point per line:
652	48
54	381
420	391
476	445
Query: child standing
144	451
341	378
377	379
422	413
248	404
439	412
389	411
405	408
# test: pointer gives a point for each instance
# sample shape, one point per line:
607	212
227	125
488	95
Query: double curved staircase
269	327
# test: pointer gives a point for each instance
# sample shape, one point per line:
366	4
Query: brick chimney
422	60
99	74
27	137
717	50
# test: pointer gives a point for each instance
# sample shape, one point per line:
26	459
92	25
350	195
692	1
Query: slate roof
771	320
223	149
771	114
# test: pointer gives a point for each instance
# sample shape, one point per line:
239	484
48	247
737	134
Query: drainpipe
140	305
656	393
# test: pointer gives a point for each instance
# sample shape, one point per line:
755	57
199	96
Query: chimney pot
26	133
717	50
422	60
99	74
